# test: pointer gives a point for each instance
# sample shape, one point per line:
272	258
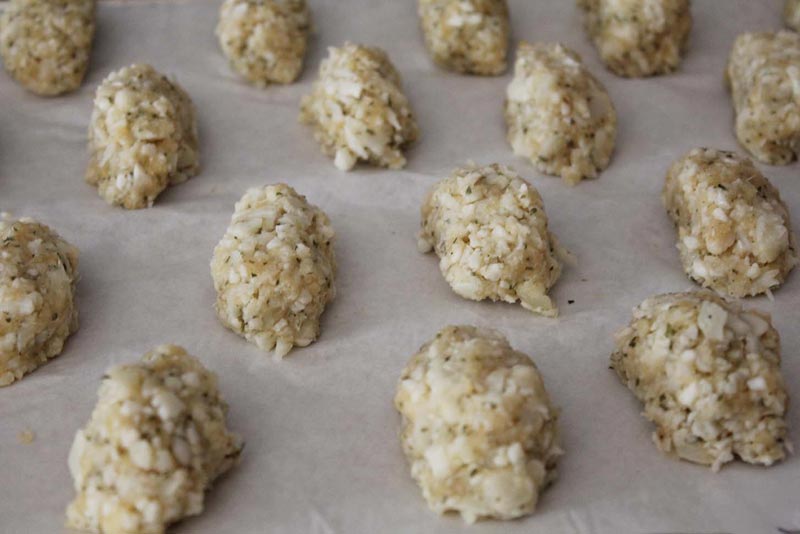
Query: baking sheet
322	452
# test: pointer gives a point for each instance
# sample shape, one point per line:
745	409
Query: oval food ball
358	110
156	441
489	228
46	44
734	233
636	38
558	114
764	78
265	40
142	138
38	275
708	373
274	269
469	36
792	14
479	430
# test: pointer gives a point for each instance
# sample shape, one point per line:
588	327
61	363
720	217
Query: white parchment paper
322	452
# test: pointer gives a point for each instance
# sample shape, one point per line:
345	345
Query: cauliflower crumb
46	44
708	373
763	75
156	441
469	36
142	138
558	114
274	269
637	38
38	275
265	40
478	426
734	233
489	228
26	437
358	109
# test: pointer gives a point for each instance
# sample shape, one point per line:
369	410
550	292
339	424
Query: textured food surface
265	40
792	14
489	228
38	274
45	44
156	440
637	38
358	110
322	434
764	78
142	137
558	114
708	373
274	269
469	36
734	232
478	427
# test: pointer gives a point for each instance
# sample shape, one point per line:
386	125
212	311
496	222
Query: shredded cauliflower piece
637	38
265	40
489	228
479	430
734	233
38	275
142	138
469	36
764	78
558	114
274	269
156	441
46	44
358	109
708	373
